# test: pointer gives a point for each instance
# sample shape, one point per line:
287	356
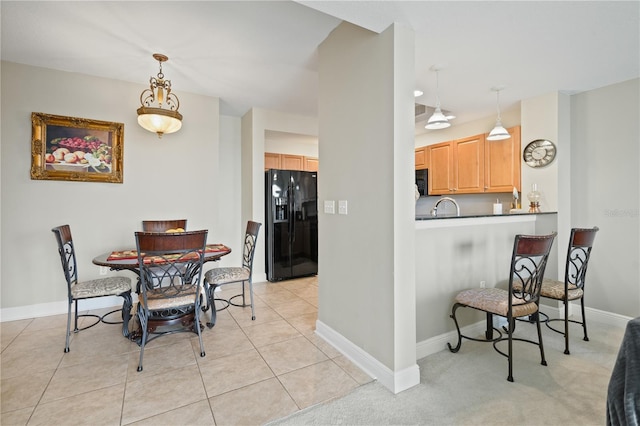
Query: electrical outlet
483	284
104	270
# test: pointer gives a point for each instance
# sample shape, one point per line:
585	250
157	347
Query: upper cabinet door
441	168
271	161
502	163
422	161
292	162
310	164
468	165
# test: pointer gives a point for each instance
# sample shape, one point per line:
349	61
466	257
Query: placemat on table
133	254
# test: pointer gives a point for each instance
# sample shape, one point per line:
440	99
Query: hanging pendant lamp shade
437	120
151	114
498	132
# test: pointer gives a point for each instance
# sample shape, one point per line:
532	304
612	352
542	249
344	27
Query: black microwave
422	180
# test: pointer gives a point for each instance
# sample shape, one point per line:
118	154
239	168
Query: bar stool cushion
494	300
555	290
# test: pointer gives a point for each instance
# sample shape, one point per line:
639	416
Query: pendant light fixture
499	132
437	119
151	115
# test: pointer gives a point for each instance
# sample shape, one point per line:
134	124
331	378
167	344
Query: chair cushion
555	290
495	300
169	298
112	286
220	276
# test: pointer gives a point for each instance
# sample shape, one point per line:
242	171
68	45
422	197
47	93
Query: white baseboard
437	343
395	381
58	308
592	314
259	277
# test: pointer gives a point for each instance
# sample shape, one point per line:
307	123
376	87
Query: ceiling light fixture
151	115
437	120
499	132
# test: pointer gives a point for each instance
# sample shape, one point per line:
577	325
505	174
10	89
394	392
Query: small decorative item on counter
534	199
497	207
515	204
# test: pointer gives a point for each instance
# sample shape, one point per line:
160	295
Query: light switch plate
330	206
342	207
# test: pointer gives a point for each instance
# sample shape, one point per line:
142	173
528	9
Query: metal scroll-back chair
170	274
528	262
81	290
218	277
572	287
178	225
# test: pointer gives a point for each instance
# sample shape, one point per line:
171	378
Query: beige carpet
470	387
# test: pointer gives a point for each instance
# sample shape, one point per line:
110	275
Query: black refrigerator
291	212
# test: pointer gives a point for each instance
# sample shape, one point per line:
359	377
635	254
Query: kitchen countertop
449	221
453	216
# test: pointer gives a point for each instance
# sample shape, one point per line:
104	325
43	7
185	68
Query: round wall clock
539	153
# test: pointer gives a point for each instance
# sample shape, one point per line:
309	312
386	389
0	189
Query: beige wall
605	177
180	175
366	267
510	117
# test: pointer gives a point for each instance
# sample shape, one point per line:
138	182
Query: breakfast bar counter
457	253
428	221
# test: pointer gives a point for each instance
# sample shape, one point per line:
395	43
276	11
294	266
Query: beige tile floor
253	371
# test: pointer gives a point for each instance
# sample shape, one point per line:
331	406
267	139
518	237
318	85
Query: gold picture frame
76	149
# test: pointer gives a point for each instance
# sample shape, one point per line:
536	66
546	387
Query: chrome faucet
434	211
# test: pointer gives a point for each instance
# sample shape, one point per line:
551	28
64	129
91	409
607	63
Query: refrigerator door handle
292	213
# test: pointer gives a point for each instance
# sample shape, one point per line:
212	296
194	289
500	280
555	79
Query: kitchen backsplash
470	204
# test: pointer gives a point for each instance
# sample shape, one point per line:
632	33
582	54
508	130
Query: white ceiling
264	53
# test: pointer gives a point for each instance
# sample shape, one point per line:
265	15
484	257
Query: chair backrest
163	225
578	254
250	239
529	260
67	255
171	263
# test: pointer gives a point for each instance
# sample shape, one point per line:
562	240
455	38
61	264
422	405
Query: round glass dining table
120	260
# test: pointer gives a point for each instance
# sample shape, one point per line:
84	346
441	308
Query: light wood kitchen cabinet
457	167
502	163
475	165
468	165
290	162
440	168
422	158
310	164
271	160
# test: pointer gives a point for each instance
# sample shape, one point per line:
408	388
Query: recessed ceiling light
417	93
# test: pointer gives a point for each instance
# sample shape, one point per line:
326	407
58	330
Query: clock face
539	153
